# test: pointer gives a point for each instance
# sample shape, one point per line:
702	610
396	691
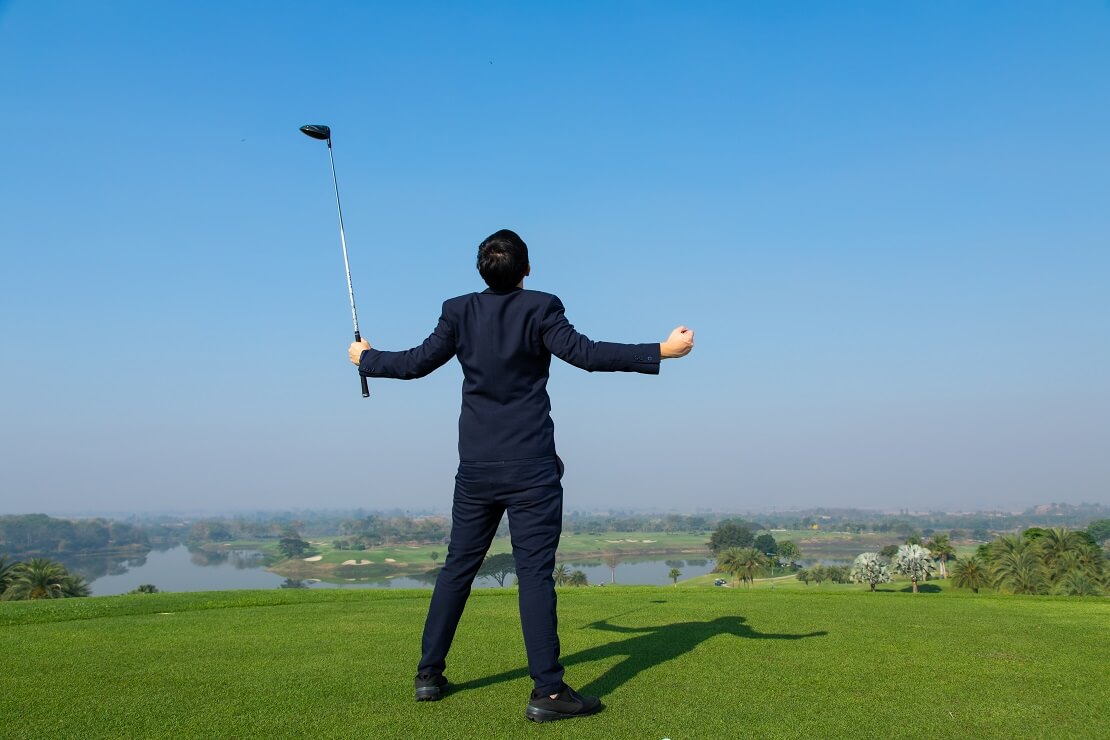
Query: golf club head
317	131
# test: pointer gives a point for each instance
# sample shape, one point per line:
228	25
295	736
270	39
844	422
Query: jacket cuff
646	358
366	362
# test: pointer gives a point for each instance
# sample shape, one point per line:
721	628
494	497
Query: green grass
669	662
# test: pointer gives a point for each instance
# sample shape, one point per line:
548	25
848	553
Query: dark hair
503	260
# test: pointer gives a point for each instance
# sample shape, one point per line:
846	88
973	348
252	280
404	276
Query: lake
180	569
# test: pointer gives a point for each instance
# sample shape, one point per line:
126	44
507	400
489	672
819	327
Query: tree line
30	534
1056	560
1038	561
745	555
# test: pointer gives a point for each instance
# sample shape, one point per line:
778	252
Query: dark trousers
531	492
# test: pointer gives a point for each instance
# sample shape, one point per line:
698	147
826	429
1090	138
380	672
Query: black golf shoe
430	687
569	703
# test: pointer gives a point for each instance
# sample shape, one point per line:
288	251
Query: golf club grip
362	378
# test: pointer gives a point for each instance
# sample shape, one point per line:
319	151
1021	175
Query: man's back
504	340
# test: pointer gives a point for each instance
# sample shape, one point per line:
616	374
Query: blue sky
887	223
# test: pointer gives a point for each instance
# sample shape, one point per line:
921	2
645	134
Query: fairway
675	663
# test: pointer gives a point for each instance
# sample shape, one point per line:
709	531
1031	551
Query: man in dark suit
504	338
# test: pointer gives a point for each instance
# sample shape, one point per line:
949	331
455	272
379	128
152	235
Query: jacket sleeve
417	362
561	340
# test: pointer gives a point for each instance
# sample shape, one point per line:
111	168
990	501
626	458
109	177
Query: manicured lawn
669	662
632	543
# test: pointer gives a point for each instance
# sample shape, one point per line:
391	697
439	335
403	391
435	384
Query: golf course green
668	663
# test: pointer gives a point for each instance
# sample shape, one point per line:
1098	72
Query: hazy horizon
887	224
445	512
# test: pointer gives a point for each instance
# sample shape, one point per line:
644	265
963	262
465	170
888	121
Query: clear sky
889	224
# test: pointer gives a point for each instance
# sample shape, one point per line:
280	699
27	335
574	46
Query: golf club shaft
346	262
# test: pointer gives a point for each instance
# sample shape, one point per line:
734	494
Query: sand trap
614	541
631	540
364	562
350	562
390	560
647	540
314	559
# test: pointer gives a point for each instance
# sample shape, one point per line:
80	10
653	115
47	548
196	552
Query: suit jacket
504	341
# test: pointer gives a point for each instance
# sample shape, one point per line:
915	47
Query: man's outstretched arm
563	341
417	362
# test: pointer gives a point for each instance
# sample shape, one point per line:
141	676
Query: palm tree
578	578
1078	583
1017	567
1091	560
1057	549
36	579
1010	543
941	547
914	561
727	560
561	575
970	573
743	563
674	575
870	568
6	567
74	585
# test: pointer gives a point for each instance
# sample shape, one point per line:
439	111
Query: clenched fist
356	349
678	344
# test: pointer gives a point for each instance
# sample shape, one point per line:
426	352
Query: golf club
323	133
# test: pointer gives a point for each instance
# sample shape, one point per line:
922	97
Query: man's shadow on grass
651	647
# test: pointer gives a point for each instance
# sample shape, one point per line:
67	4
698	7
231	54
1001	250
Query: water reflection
238	559
206	558
640	570
183	569
91	567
